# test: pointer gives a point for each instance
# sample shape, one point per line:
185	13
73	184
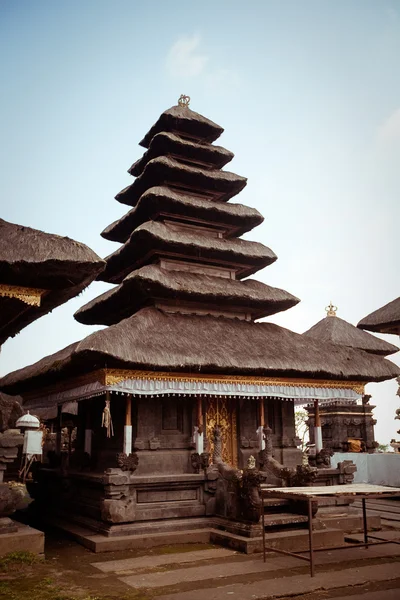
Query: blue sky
308	94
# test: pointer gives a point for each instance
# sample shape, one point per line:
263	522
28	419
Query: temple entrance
222	412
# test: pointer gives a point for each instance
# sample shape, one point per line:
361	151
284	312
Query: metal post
310	536
263	524
365	525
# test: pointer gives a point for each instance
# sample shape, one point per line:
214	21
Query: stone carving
251	462
195	461
322	459
249	490
346	471
154	443
127	463
217	437
301	475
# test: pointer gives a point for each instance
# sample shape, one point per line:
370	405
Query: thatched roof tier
32	258
337	331
151	282
186	123
170	144
58	268
383	320
154	239
154	340
208	183
162	202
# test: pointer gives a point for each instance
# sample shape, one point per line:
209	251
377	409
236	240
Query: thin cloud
389	131
184	58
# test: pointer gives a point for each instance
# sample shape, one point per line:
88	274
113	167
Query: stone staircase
288	530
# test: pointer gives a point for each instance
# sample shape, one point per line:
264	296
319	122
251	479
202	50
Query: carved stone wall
344	420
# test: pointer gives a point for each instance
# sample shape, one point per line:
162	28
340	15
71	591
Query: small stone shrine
347	425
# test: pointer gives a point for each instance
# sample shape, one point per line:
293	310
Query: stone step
290	540
283	520
391	516
162	560
388	507
275	502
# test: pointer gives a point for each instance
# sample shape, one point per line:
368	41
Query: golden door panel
222	412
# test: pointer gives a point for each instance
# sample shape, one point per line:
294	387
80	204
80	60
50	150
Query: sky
308	93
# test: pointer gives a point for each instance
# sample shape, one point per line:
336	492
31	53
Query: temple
183	378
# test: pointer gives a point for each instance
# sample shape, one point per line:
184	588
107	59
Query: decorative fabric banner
300	394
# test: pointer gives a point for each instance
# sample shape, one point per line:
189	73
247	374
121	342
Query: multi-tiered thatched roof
39	271
182	303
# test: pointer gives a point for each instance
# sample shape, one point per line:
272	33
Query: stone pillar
317	428
199	428
128	426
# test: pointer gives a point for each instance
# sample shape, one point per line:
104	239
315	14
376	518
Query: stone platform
22	538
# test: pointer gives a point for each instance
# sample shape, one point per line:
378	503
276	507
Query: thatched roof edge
388	316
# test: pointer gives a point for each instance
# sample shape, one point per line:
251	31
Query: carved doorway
222	412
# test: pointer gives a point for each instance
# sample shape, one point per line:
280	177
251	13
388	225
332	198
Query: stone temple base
15	537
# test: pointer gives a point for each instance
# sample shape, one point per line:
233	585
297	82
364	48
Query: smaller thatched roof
337	331
151	282
186	122
154	340
154	239
30	258
162	202
170	144
383	320
212	183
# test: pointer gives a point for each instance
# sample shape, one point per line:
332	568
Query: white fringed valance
300	394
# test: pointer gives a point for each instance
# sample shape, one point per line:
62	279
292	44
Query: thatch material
236	218
212	183
186	122
154	340
158	239
383	320
141	287
32	258
170	144
337	331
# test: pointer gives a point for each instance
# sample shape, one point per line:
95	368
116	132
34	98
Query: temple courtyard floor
202	572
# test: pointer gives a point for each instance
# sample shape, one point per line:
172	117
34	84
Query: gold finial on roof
184	100
331	310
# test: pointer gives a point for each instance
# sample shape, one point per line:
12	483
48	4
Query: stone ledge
26	539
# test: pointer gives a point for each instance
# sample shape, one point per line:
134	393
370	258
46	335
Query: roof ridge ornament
184	101
331	310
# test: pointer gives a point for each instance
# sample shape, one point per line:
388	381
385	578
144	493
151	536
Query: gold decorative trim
30	296
113	376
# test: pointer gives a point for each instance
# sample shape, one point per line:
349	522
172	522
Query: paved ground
204	572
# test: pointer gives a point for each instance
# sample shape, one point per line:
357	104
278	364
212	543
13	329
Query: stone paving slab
292	585
200	573
378	595
233	568
373	537
143	562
